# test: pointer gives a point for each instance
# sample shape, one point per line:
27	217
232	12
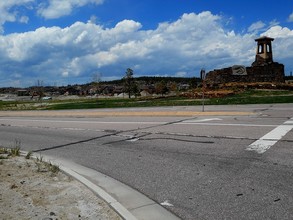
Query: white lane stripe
224	124
271	138
82	122
187	122
288	122
261	146
202	120
278	132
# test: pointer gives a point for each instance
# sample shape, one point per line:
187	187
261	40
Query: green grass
246	97
251	96
123	103
43	166
17	105
4	150
5	153
15	152
28	155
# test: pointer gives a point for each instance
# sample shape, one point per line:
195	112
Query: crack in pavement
72	143
107	135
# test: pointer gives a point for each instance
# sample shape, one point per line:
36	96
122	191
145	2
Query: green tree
194	82
129	83
161	87
173	86
135	89
96	79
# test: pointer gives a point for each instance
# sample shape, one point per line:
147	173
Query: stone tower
263	69
264	53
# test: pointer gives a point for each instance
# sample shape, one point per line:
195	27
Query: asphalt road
200	166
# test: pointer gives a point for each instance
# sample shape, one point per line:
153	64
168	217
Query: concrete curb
127	202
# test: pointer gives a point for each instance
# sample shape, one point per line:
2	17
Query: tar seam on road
72	143
107	135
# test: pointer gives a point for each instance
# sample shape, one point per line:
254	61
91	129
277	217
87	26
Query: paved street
230	162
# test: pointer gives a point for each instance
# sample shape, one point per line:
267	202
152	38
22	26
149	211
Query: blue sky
62	42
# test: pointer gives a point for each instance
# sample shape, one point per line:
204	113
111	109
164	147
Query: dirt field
30	190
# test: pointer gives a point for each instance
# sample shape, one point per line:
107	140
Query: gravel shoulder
31	190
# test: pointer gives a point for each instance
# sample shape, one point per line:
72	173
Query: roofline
264	38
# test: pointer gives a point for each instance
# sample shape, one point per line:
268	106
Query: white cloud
24	19
65	74
127	26
274	23
179	48
8	12
256	27
11	10
56	8
278	32
290	19
181	74
93	19
283	45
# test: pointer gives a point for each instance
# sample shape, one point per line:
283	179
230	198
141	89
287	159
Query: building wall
273	72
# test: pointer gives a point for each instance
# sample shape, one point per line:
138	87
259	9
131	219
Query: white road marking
167	203
224	124
288	122
133	140
203	120
82	122
187	122
271	138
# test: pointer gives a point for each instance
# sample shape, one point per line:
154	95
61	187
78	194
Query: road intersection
226	163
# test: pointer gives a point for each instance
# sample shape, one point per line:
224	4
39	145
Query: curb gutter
127	202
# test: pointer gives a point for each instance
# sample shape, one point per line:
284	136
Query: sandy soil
30	190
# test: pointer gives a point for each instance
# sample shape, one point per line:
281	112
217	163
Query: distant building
22	92
263	69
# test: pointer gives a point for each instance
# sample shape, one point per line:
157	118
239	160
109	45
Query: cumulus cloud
8	12
283	45
179	48
11	10
279	32
56	8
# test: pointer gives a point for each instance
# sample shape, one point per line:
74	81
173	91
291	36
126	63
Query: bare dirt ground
31	190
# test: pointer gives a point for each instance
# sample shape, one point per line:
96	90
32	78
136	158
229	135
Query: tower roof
264	38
